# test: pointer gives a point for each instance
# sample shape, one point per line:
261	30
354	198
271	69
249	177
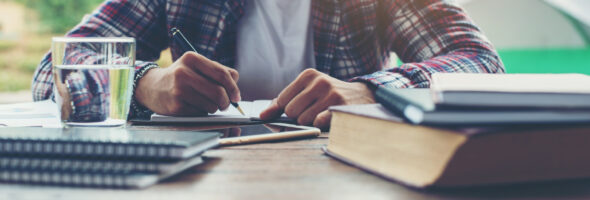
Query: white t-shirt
274	44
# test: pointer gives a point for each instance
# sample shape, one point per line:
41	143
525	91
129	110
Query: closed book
417	107
512	90
378	141
108	142
90	173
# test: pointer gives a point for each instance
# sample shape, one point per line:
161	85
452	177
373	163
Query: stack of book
470	129
98	157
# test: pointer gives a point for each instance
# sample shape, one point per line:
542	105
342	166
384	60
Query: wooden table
288	170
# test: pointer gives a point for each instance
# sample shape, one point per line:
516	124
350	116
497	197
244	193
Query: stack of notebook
98	157
467	99
470	129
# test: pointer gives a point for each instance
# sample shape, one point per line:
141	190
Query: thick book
90	173
417	107
105	142
512	90
380	142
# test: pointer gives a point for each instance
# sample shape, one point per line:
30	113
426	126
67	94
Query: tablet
264	132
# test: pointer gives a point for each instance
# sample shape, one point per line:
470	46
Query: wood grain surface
288	170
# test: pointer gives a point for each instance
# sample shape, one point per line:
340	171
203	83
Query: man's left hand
309	96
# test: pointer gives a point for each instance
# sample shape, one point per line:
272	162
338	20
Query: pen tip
241	111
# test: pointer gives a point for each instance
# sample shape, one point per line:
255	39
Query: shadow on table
579	188
195	173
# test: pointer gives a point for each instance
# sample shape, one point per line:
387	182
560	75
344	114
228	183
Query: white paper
41	113
252	110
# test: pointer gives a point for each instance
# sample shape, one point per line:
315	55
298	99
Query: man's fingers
193	99
234	75
218	73
189	110
301	102
322	121
272	112
311	113
212	91
296	86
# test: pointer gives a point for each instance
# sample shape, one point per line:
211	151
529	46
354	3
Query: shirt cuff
384	79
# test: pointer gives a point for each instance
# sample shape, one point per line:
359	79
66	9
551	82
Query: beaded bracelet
137	109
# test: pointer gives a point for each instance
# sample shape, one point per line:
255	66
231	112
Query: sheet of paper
252	109
40	109
41	113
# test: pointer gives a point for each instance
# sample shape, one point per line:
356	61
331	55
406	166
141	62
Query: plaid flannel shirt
352	38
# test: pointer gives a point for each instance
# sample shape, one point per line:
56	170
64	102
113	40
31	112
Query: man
306	54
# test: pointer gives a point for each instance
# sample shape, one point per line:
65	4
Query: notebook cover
109	142
94	178
30	163
512	83
416	106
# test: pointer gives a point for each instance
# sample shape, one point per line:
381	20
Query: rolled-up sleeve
431	36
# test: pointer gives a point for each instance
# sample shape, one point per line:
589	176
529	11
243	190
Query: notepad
90	173
105	143
252	109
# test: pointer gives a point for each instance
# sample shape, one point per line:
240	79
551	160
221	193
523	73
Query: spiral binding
21	146
84	179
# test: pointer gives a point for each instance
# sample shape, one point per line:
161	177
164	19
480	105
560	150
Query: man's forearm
443	39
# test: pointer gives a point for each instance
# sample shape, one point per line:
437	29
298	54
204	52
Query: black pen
179	38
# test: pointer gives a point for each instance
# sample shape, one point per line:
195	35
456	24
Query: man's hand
308	97
193	85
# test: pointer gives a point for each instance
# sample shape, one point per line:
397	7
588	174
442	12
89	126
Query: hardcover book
376	140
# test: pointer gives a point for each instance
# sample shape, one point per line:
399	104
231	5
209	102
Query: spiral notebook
90	173
66	164
105	143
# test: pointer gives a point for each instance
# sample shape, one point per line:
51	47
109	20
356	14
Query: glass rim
93	39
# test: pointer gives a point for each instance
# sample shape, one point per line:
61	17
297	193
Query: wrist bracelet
137	109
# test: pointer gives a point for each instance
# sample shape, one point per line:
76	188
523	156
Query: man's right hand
192	85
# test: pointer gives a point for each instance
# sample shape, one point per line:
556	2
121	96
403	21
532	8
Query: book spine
392	102
399	105
85	148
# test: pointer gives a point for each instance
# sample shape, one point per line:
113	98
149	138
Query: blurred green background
536	36
532	36
26	28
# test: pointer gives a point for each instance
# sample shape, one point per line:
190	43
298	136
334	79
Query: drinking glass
93	79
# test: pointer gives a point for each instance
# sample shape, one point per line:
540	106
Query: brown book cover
374	139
